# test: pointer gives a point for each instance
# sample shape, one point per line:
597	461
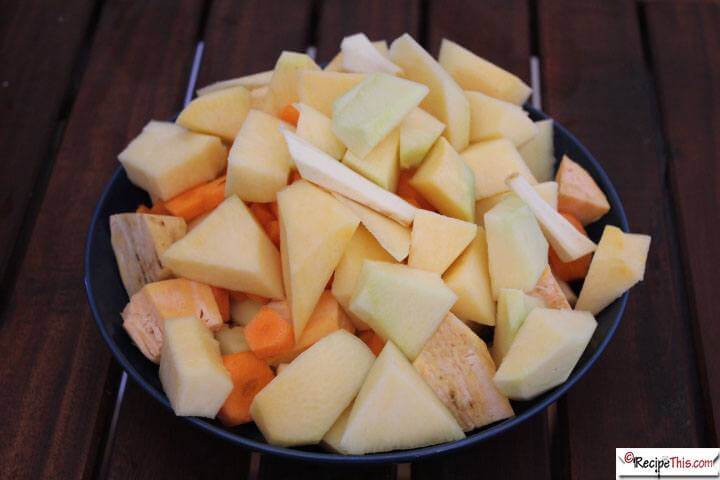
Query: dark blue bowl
107	298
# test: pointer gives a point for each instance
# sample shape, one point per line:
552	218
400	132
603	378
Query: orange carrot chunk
257	298
290	115
142	208
373	341
262	214
575	270
249	375
294	177
409	194
237	296
198	200
275	210
269	333
158	207
273	231
222	297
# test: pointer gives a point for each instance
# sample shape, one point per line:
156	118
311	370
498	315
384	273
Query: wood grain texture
644	390
248	37
55	364
282	469
379	20
686	65
521	453
255	37
33	86
154	443
498	31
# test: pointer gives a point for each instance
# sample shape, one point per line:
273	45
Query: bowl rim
396	456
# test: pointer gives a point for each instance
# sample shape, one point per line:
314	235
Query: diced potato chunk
491	118
539	152
321	89
301	404
395	409
446	100
259	162
475	73
316	128
210	253
437	240
381	165
469	278
191	369
492	162
447	182
283	89
545	350
220	113
165	159
392	236
372	109
315	228
517	249
578	194
618	264
362	246
400	303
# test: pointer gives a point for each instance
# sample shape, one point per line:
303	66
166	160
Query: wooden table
638	82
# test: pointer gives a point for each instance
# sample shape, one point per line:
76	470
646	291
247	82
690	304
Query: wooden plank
520	453
644	390
255	38
33	87
377	19
272	468
687	72
248	38
498	31
55	364
154	443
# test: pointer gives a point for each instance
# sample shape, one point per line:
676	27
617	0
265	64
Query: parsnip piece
361	56
139	240
321	169
564	238
456	364
392	236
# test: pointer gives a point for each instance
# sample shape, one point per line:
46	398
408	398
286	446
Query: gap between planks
122	383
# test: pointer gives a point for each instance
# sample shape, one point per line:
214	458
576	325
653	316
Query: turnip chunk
321	169
361	56
567	242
